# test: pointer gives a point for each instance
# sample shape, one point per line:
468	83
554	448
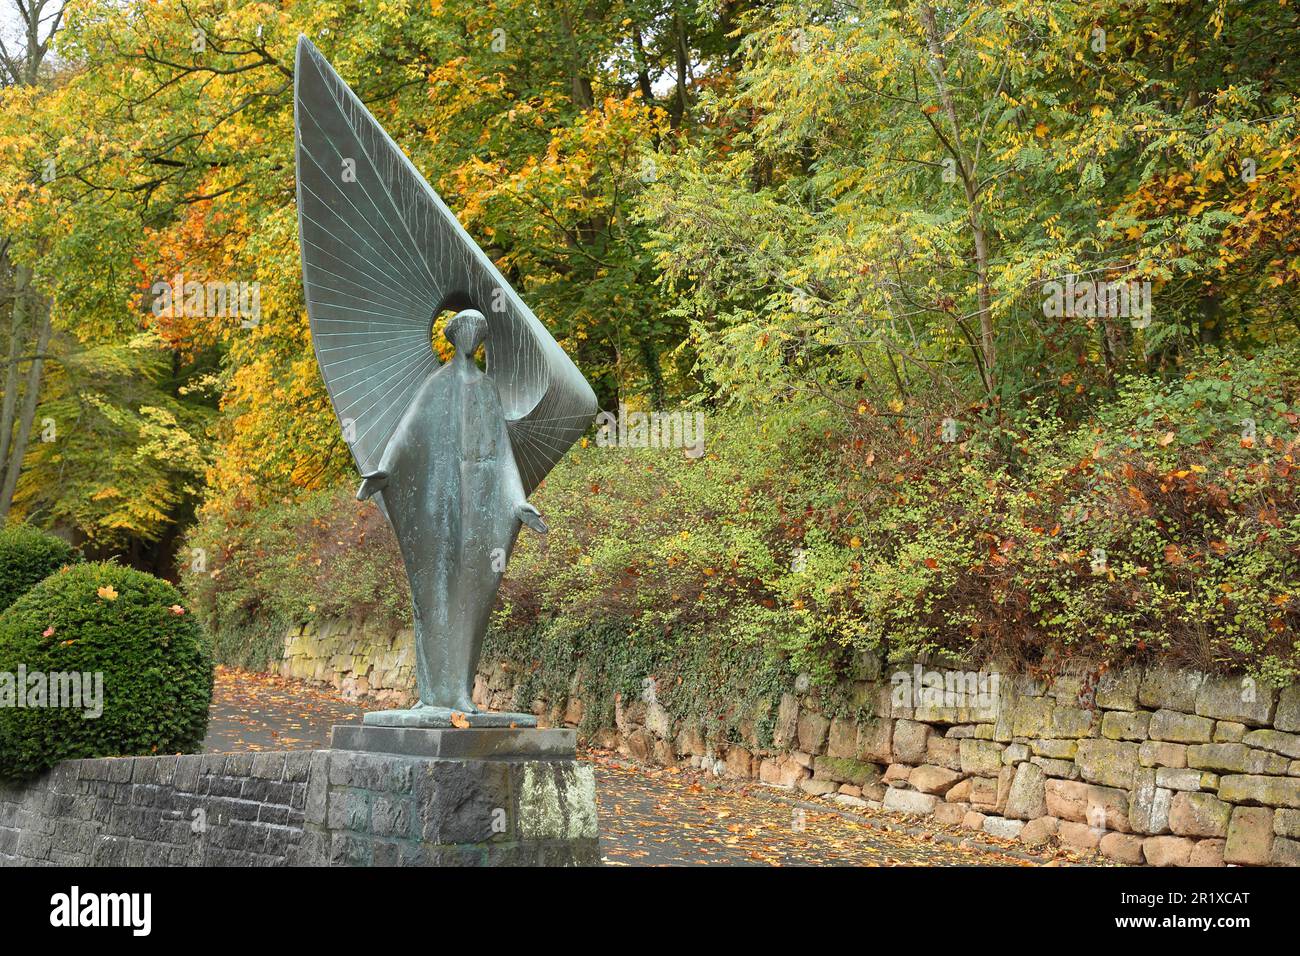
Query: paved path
659	817
649	817
264	712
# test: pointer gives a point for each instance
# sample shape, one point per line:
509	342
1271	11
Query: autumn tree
28	307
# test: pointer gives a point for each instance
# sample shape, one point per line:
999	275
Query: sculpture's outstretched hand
374	482
532	517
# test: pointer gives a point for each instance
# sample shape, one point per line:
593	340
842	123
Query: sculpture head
466	331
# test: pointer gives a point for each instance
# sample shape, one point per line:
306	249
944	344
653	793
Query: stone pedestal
404	796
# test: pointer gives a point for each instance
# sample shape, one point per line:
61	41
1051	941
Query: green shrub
117	622
329	556
27	555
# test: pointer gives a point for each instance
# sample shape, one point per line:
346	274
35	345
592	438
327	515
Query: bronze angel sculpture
448	452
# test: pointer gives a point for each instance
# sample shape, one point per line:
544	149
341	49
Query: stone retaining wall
308	808
358	660
1162	767
1159	767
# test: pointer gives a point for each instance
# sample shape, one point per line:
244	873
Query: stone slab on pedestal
455	744
424	715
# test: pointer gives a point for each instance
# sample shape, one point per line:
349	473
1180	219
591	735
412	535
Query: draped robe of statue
449	473
449	453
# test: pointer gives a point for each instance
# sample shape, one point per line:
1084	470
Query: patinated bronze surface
448	452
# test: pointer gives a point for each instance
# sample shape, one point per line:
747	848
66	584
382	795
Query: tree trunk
658	391
31	393
642	69
939	70
580	88
678	109
26	302
1211	314
17	341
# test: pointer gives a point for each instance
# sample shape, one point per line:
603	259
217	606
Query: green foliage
124	453
714	680
835	223
537	125
748	202
885	191
129	627
1156	531
250	572
27	556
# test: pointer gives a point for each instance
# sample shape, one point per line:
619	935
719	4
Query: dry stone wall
1157	766
357	659
1161	767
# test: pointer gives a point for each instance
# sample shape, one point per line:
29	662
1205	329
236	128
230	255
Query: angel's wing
381	257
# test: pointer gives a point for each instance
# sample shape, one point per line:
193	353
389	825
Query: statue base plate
495	743
441	717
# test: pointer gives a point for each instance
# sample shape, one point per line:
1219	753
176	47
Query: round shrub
27	556
130	628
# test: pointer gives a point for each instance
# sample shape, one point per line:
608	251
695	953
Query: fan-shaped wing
382	255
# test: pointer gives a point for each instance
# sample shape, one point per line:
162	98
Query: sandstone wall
1158	767
1162	767
359	660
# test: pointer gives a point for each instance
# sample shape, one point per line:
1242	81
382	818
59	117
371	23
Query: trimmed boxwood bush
127	625
27	556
